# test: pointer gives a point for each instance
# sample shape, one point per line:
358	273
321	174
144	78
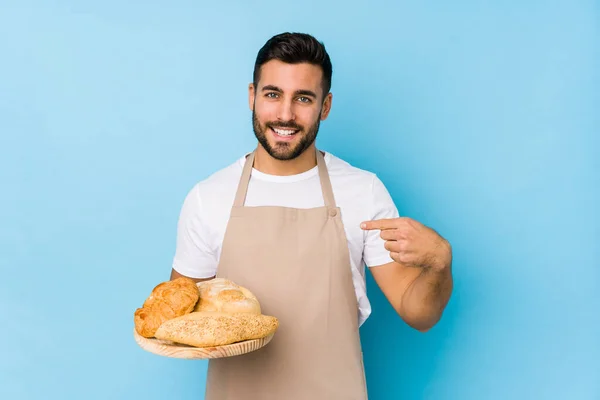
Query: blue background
481	117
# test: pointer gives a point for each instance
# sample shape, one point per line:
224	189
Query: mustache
283	125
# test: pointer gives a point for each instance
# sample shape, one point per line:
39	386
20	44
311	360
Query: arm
418	283
419	296
195	251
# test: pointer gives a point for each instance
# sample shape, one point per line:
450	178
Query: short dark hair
295	48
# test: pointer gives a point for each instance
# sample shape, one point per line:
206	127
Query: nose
286	111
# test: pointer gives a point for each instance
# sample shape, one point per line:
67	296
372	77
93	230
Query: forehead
290	77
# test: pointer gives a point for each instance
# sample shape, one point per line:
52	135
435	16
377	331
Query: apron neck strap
240	196
325	181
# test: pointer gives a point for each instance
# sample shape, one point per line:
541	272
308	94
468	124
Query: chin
285	150
282	153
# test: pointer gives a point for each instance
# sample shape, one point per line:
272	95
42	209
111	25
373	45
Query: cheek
307	116
265	113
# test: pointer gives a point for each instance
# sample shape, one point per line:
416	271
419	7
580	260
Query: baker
297	226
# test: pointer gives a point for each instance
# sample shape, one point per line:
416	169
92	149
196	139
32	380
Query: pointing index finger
381	224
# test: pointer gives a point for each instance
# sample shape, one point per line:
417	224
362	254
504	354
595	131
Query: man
296	226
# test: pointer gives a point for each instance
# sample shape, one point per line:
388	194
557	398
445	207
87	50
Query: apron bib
296	261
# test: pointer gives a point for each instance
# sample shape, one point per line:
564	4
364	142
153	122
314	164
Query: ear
251	94
326	106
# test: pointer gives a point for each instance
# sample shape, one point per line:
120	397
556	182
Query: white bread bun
223	295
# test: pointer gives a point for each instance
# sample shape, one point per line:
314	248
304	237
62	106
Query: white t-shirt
360	195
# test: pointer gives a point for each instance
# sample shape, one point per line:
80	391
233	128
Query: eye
304	99
271	95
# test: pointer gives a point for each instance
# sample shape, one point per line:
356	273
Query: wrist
443	260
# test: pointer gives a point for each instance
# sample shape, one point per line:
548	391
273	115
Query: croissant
205	329
167	300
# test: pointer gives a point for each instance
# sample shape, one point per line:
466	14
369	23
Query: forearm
424	300
418	283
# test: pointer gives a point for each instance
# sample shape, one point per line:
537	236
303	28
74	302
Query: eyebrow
302	92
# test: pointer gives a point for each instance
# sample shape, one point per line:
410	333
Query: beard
284	150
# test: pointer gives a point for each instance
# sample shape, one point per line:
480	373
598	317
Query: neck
266	164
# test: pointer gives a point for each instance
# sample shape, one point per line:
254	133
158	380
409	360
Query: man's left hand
412	243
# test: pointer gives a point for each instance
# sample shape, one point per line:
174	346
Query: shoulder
345	173
357	183
217	186
222	178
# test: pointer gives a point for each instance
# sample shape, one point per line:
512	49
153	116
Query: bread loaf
167	300
223	295
205	329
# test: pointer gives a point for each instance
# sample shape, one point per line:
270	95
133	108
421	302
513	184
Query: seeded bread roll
167	300
223	295
206	329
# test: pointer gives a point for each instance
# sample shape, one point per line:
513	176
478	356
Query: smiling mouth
284	133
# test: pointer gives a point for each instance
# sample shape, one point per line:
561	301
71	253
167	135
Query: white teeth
284	132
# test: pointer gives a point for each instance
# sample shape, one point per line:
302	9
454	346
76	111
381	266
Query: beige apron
296	261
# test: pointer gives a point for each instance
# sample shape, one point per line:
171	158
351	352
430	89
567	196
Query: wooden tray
176	350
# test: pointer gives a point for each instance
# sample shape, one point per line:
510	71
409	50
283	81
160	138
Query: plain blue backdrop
481	117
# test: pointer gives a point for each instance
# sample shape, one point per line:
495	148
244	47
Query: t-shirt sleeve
382	207
194	256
